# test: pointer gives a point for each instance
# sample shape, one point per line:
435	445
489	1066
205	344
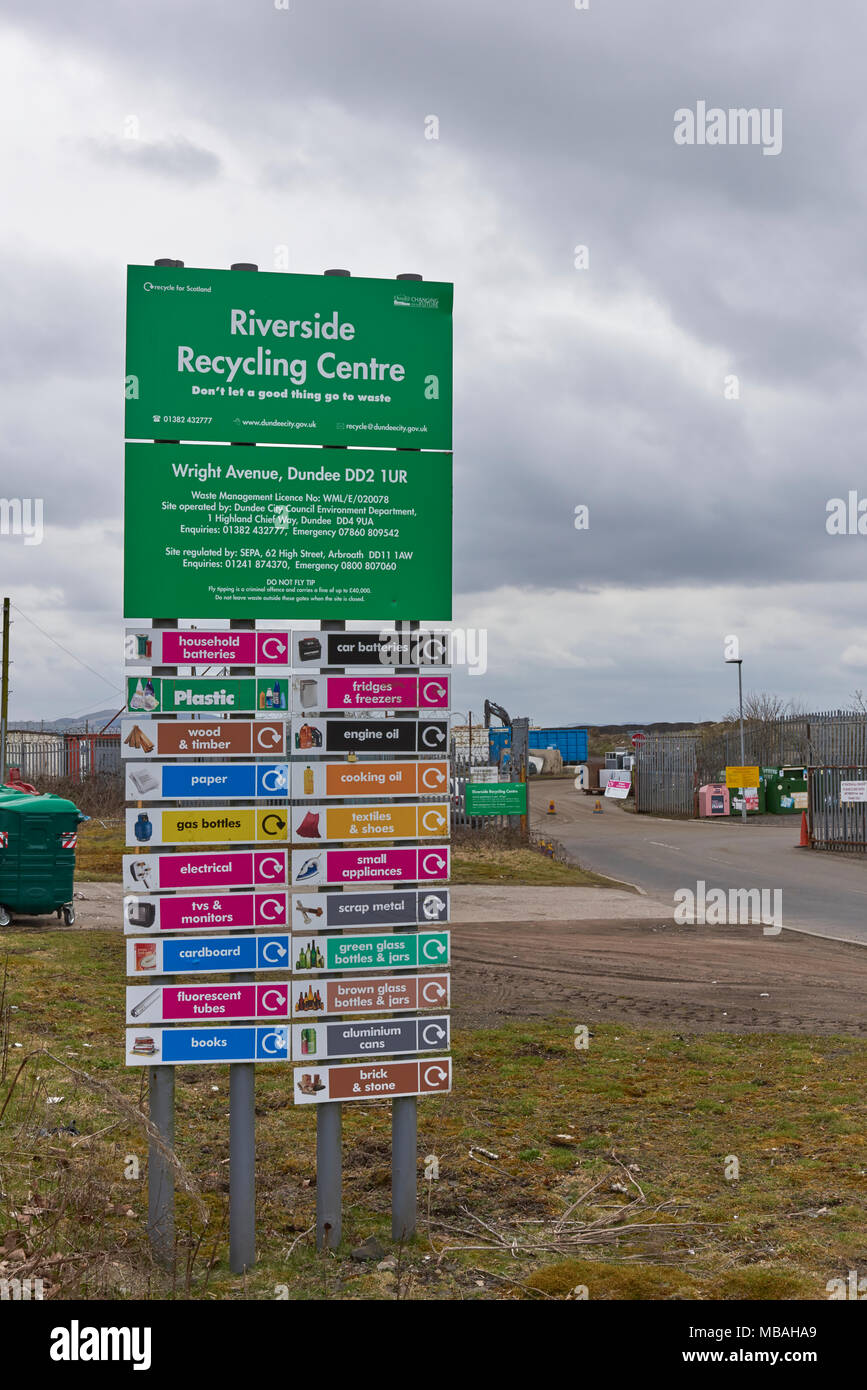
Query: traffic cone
597	809
551	809
804	842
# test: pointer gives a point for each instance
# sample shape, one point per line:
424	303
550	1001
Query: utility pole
4	692
738	661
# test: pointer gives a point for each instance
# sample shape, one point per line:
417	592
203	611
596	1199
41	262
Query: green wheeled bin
37	854
787	792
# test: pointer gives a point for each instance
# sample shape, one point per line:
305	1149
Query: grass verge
558	1170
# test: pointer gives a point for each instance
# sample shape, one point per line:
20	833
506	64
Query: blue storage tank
572	743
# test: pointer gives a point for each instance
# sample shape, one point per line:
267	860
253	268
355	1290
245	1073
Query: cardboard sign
200	955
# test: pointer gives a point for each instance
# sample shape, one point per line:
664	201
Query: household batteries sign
297	533
195	647
288	359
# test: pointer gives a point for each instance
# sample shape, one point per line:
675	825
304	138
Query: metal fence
70	757
665	775
834	824
831	744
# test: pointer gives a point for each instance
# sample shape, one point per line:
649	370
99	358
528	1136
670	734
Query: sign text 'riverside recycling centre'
275	358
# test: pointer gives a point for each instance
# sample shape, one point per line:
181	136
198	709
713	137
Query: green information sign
287	533
496	799
371	951
288	359
203	695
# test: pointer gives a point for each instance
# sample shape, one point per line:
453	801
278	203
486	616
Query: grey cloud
177	158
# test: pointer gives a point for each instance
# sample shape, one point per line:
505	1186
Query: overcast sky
259	128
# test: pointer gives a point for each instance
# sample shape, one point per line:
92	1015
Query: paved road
823	894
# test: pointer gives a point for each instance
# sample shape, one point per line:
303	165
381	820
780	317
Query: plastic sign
373	1081
370	951
371	1037
148	873
180	1046
311	650
200	955
151	739
397	907
363	995
360	736
198	647
348	866
199	781
204	912
347	780
206	1003
319	693
288	534
202	694
496	799
319	823
288	359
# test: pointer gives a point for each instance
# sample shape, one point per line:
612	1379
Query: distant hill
92	724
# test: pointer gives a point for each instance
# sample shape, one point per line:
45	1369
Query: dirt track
658	975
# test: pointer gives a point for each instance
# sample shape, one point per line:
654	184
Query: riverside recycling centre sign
288	359
490	799
293	533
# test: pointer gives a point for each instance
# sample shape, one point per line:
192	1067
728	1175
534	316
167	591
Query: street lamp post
738	661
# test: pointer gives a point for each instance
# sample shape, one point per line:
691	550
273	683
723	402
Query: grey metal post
743	755
329	1115
242	1122
161	1106
242	1089
404	1109
4	691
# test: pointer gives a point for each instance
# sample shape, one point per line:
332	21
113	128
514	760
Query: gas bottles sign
313	359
